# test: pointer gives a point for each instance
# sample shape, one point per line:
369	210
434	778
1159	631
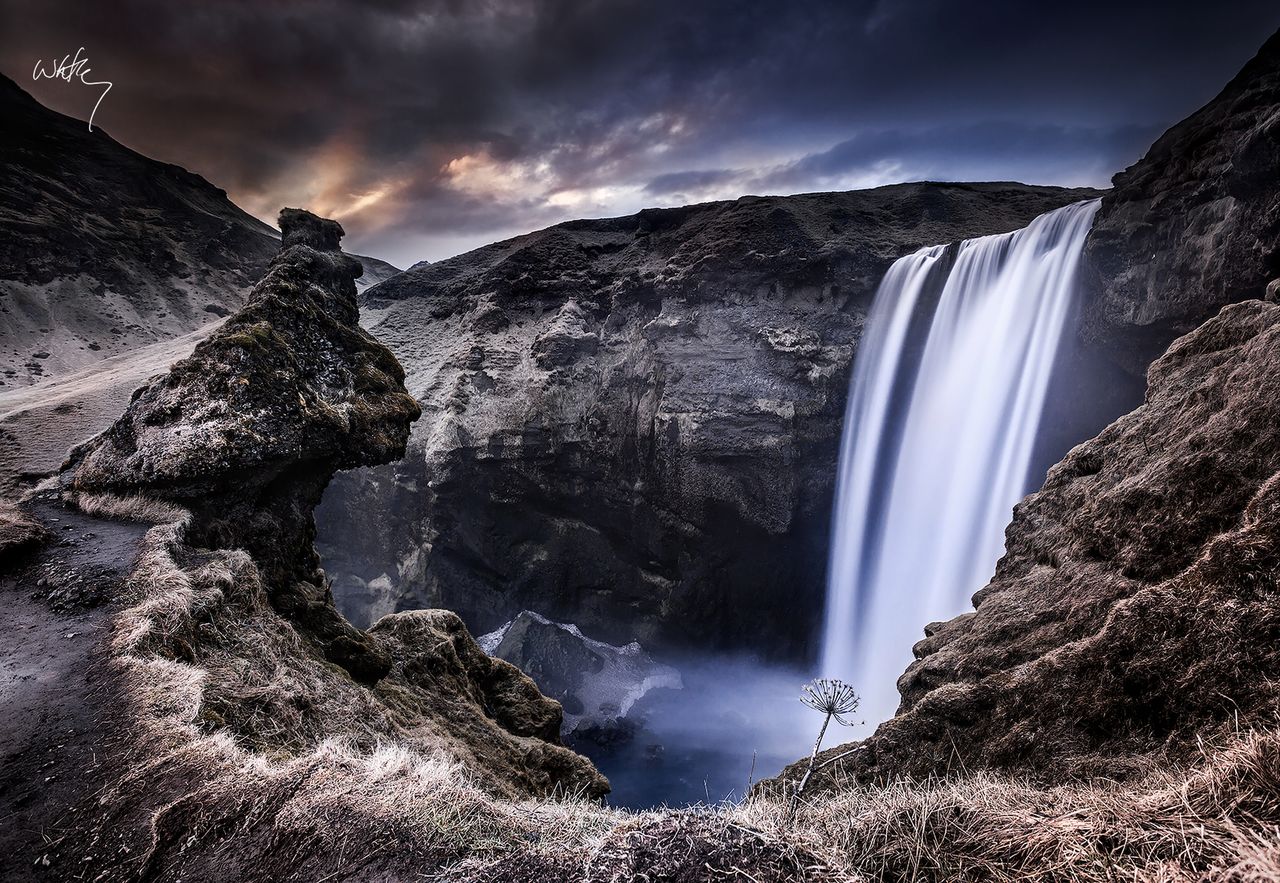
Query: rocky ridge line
1192	226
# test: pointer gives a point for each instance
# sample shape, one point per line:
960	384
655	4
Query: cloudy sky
430	128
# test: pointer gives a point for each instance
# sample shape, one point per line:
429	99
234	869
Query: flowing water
938	438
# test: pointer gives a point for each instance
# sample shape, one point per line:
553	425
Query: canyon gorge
318	578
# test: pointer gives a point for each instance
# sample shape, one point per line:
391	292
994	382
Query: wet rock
435	654
596	683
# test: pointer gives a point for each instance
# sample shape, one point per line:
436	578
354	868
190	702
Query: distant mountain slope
103	250
375	271
106	258
633	422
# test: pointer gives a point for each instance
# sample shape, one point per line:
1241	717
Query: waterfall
937	446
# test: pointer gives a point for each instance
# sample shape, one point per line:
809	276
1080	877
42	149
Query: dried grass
134	507
278	766
253	729
1217	822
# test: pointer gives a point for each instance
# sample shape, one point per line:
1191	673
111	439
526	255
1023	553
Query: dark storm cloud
431	127
996	150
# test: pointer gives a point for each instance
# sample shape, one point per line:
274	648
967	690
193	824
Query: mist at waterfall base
943	432
735	721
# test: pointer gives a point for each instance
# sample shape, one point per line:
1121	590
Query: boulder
596	683
19	532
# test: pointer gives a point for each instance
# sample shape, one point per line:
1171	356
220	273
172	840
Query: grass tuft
134	507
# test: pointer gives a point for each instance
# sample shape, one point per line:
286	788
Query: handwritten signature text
71	68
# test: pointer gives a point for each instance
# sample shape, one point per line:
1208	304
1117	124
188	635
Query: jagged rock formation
244	435
633	423
1136	614
1192	226
248	431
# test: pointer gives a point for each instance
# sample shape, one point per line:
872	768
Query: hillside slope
105	250
112	267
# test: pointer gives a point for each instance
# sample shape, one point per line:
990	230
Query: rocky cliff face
1192	226
1140	589
633	423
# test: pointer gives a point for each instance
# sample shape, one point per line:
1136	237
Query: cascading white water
935	451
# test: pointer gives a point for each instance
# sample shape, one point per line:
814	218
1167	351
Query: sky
431	128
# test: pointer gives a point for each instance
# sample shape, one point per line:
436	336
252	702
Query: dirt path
55	690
